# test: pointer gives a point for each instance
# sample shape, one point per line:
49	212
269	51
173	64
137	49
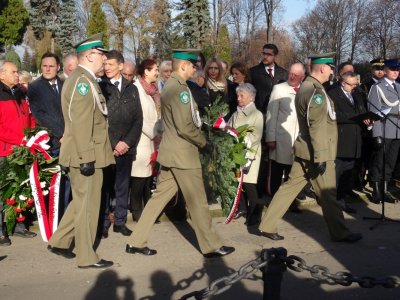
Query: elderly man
315	152
282	126
348	104
85	150
384	98
14	118
180	161
129	70
70	62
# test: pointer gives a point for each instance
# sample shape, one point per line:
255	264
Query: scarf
151	89
216	86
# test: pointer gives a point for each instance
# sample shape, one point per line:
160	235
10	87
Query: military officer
384	98
179	158
315	152
377	66
85	150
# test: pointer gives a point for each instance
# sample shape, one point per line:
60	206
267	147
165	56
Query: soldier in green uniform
179	158
315	152
85	150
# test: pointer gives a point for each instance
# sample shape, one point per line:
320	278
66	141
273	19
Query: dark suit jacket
264	83
45	105
349	131
125	116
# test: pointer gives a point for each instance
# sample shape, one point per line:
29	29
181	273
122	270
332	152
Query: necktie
350	98
54	86
116	83
270	73
296	89
394	86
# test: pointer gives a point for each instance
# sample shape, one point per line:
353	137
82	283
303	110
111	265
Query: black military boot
376	192
388	196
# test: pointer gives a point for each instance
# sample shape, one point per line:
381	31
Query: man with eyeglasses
85	151
315	152
348	104
384	98
265	75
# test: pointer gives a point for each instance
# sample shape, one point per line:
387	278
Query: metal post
273	272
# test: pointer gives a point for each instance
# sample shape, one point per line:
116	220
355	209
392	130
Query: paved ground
29	271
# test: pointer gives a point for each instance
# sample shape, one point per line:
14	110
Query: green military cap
186	54
323	58
93	42
377	63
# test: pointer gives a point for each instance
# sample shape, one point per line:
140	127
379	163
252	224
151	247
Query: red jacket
15	116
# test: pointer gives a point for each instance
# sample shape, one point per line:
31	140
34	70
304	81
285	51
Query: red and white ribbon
236	202
48	220
221	124
38	143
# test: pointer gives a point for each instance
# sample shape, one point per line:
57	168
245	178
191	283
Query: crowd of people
111	120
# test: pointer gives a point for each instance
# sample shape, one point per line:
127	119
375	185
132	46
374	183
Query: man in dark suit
44	96
125	121
265	75
45	101
348	104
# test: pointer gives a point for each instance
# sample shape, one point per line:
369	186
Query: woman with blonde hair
165	70
215	80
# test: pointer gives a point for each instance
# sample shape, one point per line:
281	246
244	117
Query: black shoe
224	250
102	264
25	234
144	250
351	238
349	209
239	213
66	253
4	241
272	236
122	229
389	198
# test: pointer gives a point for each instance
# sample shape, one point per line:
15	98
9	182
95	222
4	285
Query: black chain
294	263
322	273
225	283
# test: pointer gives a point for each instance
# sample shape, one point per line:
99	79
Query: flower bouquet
29	177
222	168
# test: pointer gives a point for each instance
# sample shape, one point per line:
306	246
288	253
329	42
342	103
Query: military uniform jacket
181	138
386	99
86	133
317	139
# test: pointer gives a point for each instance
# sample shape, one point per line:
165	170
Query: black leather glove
320	167
87	169
378	142
208	148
